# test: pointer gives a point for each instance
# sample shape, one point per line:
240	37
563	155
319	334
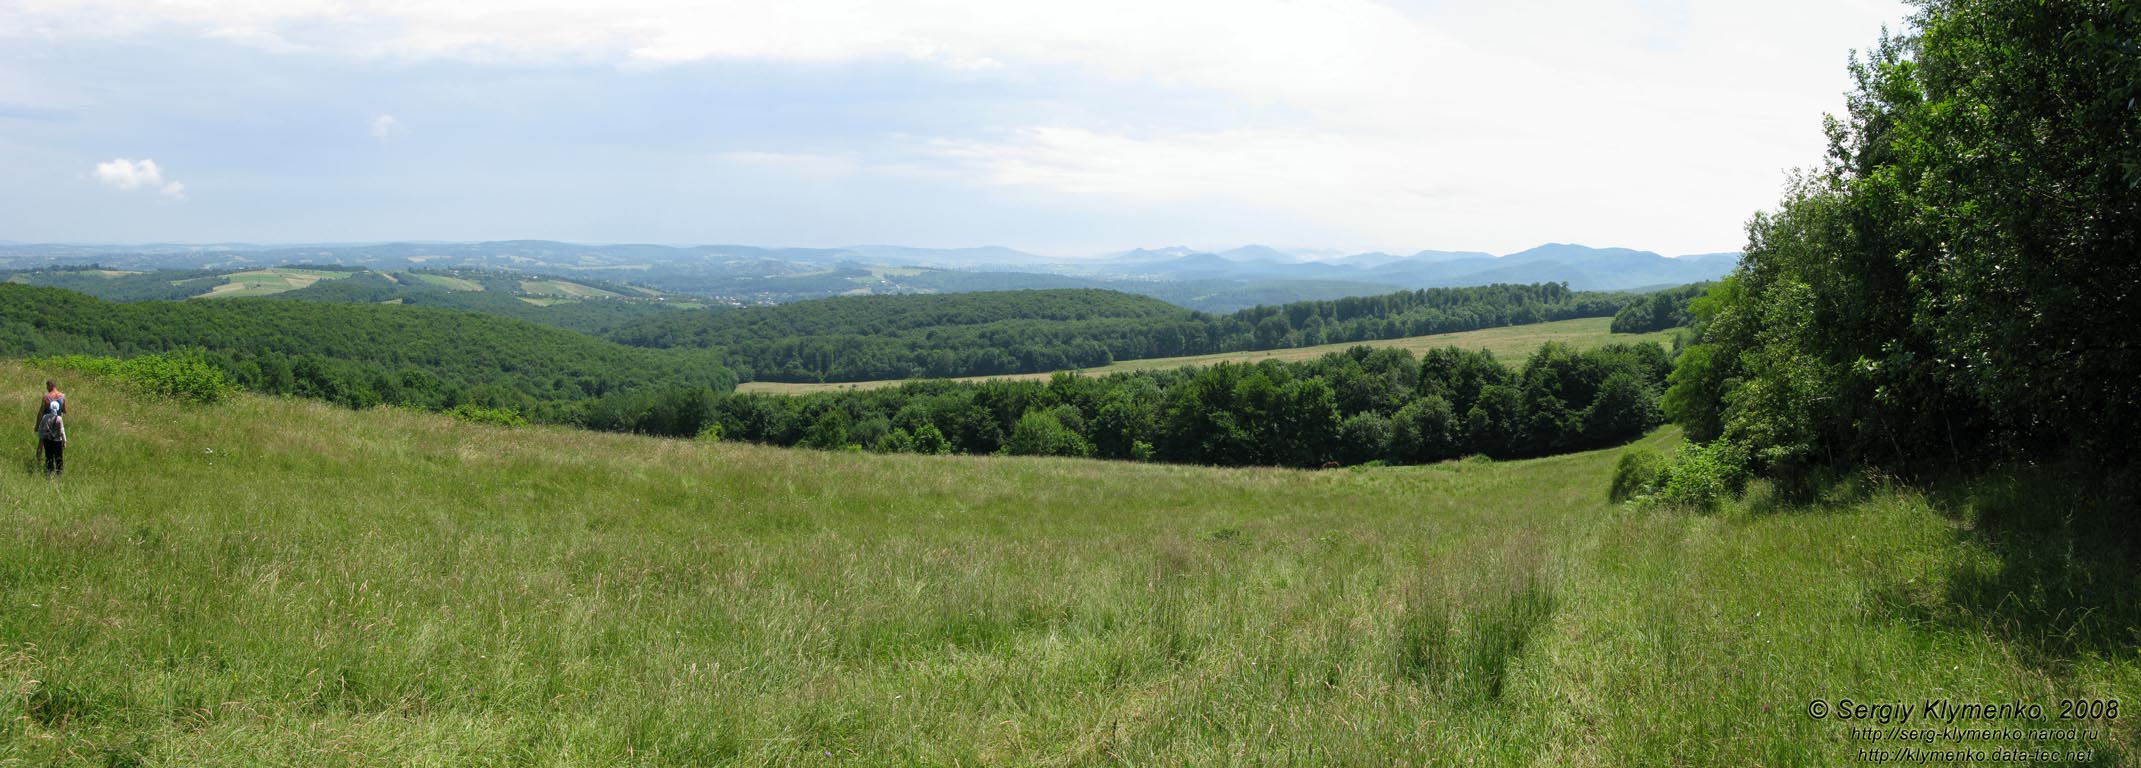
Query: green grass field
282	582
265	282
1512	344
565	289
447	282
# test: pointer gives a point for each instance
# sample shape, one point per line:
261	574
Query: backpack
50	428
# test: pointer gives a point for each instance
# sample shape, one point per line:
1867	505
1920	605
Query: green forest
360	355
1660	310
1957	285
868	338
1361	406
1355	407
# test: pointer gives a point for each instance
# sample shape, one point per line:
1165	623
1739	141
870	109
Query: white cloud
1479	125
385	128
126	175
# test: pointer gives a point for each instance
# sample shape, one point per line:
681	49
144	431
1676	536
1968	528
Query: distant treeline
361	354
1659	311
981	334
96	280
1356	406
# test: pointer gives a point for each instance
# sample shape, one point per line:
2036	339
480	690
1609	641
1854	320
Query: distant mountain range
1206	280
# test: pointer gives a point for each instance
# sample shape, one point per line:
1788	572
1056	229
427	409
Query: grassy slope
1511	343
280	582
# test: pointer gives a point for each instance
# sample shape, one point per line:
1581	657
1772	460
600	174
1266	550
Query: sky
1064	129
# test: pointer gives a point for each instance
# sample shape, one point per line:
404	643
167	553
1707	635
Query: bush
1638	474
1702	477
930	440
497	417
183	374
895	440
1040	433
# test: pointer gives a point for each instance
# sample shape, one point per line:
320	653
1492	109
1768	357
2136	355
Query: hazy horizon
1304	253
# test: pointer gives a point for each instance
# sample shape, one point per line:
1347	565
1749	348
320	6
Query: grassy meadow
1510	343
280	582
267	282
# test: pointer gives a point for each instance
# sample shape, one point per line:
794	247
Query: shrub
183	374
1039	433
498	417
930	440
895	440
1638	474
829	432
1702	476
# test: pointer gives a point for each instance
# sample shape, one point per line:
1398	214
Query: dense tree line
1660	310
1959	283
1351	407
977	334
362	354
115	285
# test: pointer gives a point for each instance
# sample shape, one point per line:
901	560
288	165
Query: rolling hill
585	305
984	334
1510	344
1213	281
357	354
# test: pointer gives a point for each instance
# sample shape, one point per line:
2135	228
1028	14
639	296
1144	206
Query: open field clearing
564	288
1511	343
282	582
447	282
264	282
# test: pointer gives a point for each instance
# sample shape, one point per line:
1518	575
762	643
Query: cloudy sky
1062	128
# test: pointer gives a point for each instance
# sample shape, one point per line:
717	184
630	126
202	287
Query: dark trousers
55	456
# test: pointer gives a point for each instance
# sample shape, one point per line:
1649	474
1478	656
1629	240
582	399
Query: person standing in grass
52	434
52	395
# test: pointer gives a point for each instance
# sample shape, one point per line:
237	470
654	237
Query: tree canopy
1958	283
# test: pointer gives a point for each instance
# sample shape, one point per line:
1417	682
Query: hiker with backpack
52	395
52	435
52	426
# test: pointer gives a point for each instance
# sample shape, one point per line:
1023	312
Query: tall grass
279	582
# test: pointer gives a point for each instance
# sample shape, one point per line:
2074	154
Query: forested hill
594	316
892	313
983	334
358	354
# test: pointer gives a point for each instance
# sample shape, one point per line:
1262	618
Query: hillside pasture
565	289
447	282
265	282
276	581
